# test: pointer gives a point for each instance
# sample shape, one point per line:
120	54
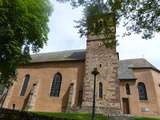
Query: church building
63	82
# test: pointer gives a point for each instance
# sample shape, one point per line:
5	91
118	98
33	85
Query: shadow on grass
72	116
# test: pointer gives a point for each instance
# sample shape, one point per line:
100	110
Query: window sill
144	100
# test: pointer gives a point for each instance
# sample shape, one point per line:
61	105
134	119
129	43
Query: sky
64	36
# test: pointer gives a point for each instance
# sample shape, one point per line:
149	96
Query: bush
6	114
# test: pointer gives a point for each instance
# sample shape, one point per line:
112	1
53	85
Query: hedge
6	114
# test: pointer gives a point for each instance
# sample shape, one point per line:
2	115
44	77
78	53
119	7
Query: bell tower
107	84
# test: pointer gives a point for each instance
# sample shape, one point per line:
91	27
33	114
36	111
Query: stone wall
106	61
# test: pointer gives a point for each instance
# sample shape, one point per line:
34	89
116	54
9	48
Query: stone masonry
106	61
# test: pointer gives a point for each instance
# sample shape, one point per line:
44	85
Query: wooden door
125	106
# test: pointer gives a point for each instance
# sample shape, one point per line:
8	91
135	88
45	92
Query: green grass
146	118
72	116
85	116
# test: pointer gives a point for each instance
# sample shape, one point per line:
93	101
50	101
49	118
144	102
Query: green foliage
23	26
7	114
138	16
1	89
142	16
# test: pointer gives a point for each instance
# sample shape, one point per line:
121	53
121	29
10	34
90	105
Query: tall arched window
142	91
25	85
100	90
128	89
56	85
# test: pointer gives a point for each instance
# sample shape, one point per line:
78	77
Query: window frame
100	90
25	85
128	90
142	91
56	85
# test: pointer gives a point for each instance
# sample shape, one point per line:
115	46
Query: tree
23	26
138	16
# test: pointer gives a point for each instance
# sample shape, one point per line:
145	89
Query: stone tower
106	61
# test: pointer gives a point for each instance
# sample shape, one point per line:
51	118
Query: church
63	82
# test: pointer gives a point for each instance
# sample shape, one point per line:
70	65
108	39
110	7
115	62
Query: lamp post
95	73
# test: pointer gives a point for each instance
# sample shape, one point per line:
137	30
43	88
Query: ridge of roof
74	50
132	59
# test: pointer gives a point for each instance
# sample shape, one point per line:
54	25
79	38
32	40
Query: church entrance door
125	105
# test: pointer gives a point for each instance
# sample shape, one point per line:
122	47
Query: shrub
6	114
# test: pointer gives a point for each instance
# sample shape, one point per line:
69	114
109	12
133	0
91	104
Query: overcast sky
63	36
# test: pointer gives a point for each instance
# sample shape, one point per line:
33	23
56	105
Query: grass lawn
85	116
146	118
72	116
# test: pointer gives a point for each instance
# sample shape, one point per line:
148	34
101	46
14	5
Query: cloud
63	35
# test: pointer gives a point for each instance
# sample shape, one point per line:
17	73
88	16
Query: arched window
128	89
25	85
56	85
100	90
142	91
